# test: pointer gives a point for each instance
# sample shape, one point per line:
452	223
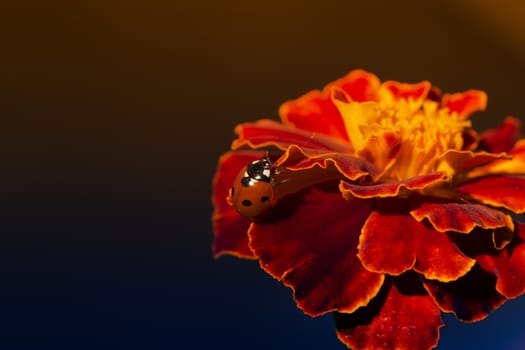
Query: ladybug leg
280	182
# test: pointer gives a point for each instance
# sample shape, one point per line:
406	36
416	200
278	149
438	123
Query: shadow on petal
507	264
471	298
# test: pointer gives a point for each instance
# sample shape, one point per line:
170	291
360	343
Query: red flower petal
418	91
499	191
398	318
313	249
471	298
360	85
230	229
502	138
393	242
231	235
508	264
465	103
460	217
315	111
392	189
351	167
269	133
470	140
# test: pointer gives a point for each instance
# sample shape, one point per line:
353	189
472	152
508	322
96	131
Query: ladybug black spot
246	203
264	199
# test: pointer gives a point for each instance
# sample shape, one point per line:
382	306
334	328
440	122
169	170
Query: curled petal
398	318
465	103
269	133
351	167
499	191
455	161
391	189
393	242
320	236
230	229
471	298
507	265
461	217
503	137
501	237
515	165
297	170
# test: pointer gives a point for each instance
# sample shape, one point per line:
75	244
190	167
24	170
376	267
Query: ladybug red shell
251	194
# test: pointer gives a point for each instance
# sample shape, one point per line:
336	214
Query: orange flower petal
230	229
382	149
418	91
460	217
315	112
316	236
353	168
503	137
455	161
393	242
398	318
498	191
465	103
360	85
269	133
515	165
471	298
392	189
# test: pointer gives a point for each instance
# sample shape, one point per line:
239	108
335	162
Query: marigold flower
386	209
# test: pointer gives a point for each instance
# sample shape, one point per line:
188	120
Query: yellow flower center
404	137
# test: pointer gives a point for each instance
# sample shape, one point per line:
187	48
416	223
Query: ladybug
252	192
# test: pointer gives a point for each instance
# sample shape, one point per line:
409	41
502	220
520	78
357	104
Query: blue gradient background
113	116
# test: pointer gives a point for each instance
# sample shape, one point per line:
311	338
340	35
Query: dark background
113	114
